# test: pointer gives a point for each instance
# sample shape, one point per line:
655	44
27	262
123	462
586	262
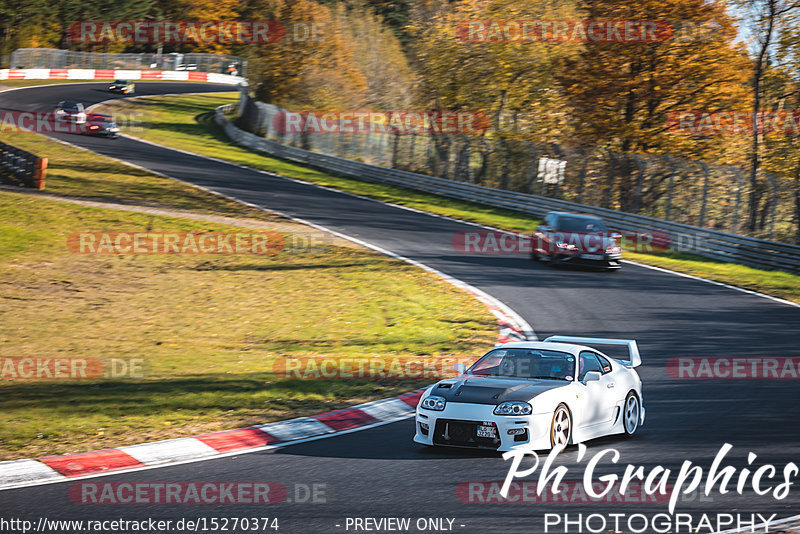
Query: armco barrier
23	166
123	74
709	243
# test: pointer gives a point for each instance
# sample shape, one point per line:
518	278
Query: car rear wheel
561	428
631	412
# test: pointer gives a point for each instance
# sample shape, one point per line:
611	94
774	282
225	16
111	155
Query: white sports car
535	395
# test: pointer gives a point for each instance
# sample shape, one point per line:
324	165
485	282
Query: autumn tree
391	82
340	57
36	23
199	10
509	79
621	94
781	95
767	21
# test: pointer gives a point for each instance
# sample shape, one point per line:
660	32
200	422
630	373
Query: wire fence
714	197
50	58
758	253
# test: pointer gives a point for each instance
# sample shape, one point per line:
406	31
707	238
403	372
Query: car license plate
592	256
486	431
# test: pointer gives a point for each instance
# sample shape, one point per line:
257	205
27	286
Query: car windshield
122	82
526	363
69	106
580	224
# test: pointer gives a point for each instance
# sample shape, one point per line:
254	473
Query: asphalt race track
380	472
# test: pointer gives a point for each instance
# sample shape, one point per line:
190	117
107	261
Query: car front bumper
456	426
611	261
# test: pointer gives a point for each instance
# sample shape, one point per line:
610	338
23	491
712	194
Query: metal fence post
671	185
582	177
705	195
557	151
505	166
737	205
532	167
468	158
637	201
610	184
774	185
395	148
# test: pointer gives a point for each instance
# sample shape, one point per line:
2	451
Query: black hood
493	389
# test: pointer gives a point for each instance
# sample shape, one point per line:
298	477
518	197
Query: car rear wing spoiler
635	360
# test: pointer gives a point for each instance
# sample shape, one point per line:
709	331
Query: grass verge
77	173
186	122
210	328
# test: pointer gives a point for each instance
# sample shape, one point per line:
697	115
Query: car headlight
434	402
513	408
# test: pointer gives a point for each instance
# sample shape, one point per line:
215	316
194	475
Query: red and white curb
49	469
118	74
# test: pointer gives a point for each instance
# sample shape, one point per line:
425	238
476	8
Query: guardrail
713	244
22	166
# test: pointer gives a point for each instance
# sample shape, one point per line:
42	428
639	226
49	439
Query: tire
631	413
561	426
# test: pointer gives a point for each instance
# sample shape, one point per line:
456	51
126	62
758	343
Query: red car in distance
576	239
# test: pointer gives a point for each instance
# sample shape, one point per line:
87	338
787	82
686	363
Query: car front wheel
561	428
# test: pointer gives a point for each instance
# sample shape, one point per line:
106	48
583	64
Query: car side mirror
591	376
459	367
